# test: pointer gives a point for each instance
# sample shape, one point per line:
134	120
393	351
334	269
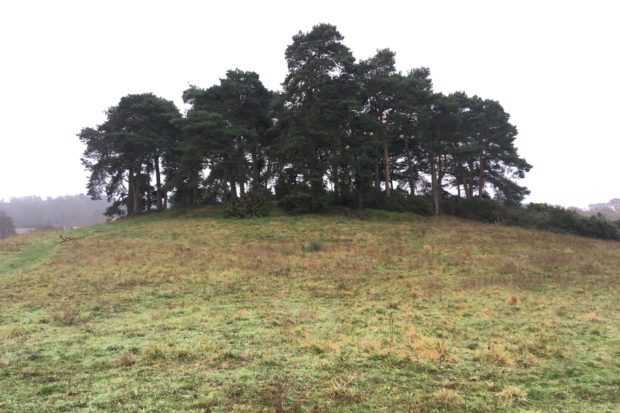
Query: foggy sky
553	66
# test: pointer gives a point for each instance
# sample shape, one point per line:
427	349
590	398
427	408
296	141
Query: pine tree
318	62
125	151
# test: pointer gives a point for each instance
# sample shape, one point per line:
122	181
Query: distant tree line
340	132
609	210
61	212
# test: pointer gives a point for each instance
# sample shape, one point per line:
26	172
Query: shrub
400	201
421	205
300	202
539	216
479	209
313	246
297	202
248	205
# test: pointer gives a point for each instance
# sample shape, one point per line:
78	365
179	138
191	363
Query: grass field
188	311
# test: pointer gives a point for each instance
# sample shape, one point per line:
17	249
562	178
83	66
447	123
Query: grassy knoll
391	313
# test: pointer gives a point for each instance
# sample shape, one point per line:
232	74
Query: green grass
188	311
22	253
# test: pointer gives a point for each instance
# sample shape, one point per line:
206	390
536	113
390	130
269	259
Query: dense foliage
540	216
248	205
340	132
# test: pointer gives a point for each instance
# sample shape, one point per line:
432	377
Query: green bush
397	202
539	216
400	201
248	205
479	209
313	246
300	202
421	205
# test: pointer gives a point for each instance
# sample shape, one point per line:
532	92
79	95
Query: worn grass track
393	312
25	252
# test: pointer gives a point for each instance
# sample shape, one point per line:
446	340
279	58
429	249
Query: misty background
64	212
70	211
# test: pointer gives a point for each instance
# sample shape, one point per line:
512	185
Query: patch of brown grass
512	300
495	354
67	316
512	394
591	317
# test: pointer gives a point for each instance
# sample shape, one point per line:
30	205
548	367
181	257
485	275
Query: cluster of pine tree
341	131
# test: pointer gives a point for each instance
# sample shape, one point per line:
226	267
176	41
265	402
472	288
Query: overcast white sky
553	65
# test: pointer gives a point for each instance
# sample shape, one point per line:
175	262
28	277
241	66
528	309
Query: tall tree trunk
469	190
255	170
434	185
159	195
468	181
386	161
313	172
336	179
233	189
316	181
149	200
137	193
377	178
129	202
136	204
481	182
410	170
194	196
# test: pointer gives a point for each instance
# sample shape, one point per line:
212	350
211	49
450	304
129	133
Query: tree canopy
125	151
341	131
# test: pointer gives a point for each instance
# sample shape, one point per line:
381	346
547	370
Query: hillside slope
193	312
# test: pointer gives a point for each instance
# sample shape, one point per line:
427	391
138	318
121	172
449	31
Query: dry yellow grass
194	312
